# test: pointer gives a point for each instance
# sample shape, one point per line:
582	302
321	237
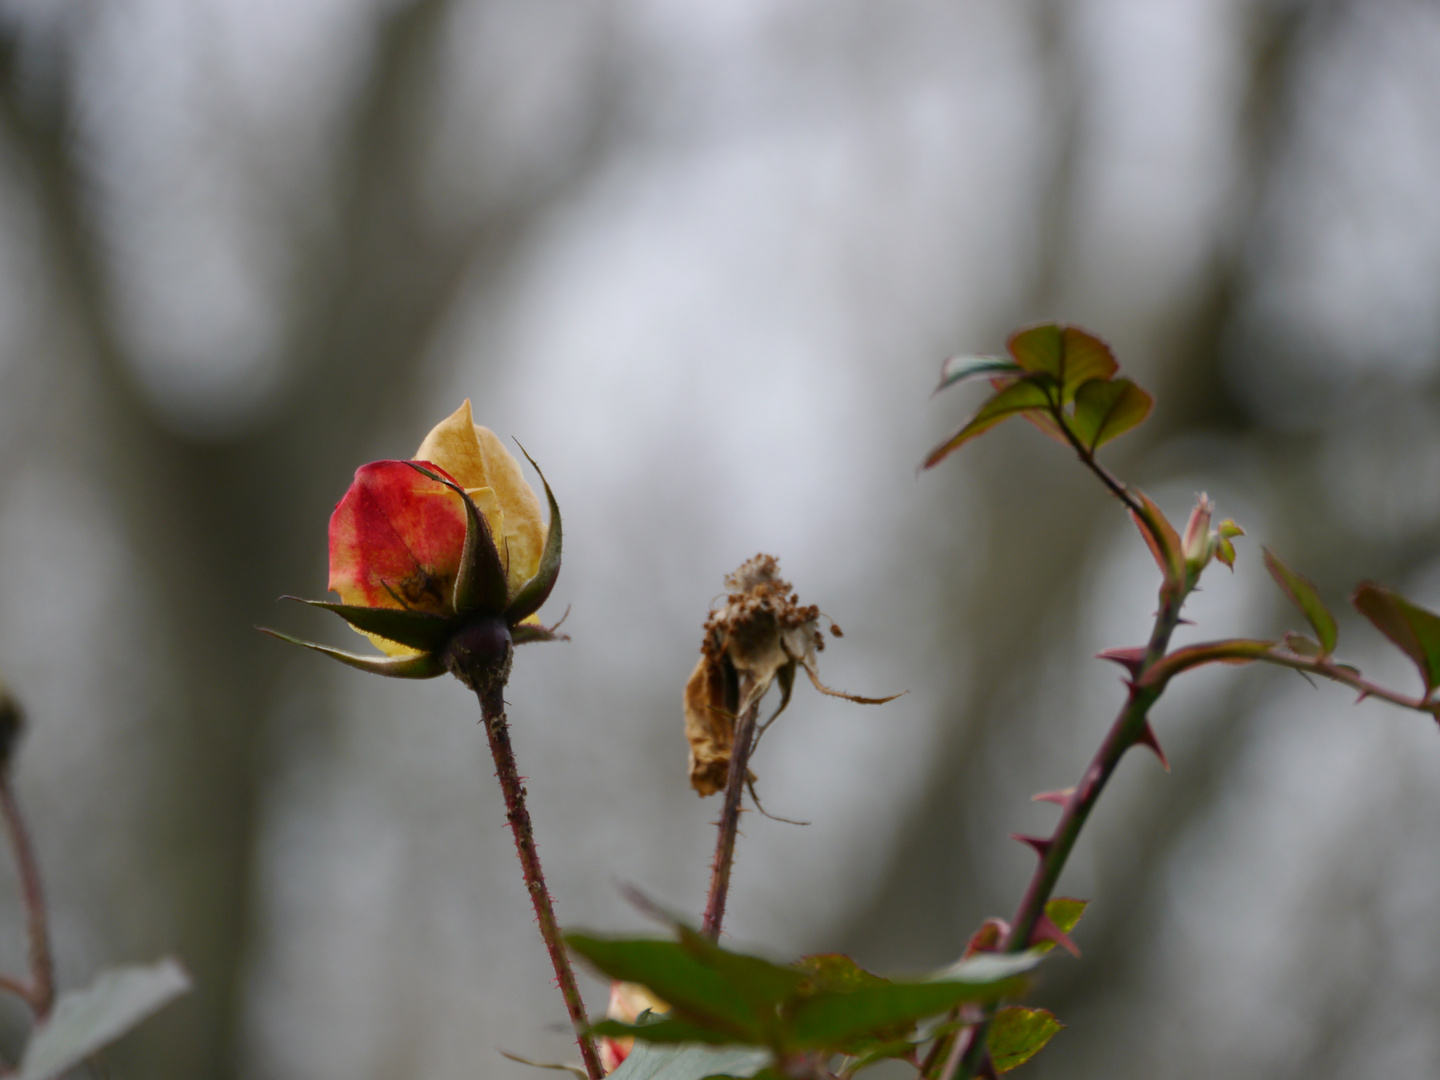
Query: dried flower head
760	635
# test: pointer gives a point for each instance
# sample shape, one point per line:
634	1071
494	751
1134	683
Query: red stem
729	823
1125	732
41	991
492	708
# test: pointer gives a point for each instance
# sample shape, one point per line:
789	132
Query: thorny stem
492	708
1323	666
1125	732
41	992
729	823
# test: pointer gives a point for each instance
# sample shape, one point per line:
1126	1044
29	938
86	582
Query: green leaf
1303	595
1065	912
1024	395
689	1063
424	666
834	971
1017	1035
86	1021
1106	409
762	984
834	1019
1415	630
537	590
1070	355
695	991
417	629
960	368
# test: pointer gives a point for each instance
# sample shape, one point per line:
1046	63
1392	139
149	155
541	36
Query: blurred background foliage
704	261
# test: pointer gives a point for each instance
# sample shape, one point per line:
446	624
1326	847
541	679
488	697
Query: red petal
395	540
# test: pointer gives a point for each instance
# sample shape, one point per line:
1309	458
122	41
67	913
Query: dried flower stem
729	823
492	708
40	993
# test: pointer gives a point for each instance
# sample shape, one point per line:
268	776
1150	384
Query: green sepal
1302	594
536	591
1029	394
480	586
415	629
424	666
1415	630
524	633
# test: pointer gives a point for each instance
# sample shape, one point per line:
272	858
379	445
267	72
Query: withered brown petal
709	726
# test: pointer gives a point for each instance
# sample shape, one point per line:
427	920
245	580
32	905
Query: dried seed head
761	632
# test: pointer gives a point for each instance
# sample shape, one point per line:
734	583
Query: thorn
1046	930
1363	695
1147	738
1039	843
1060	798
1130	659
1187	622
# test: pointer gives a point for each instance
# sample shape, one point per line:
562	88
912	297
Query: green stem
492	708
41	991
729	824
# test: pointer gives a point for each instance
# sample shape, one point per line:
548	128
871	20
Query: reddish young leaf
1106	409
1302	594
1415	630
960	368
1023	395
1069	354
1162	539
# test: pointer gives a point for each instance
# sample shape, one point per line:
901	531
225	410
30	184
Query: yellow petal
476	458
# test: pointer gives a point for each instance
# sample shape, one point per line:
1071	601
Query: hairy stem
1127	730
729	823
492	708
41	991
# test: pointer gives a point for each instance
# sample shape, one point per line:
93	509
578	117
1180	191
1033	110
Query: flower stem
1128	729
41	991
729	823
492	708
